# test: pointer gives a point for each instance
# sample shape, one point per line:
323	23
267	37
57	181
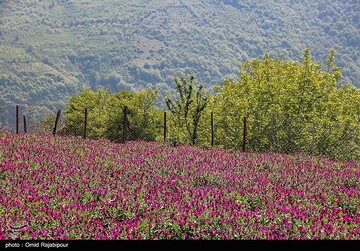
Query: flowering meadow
66	188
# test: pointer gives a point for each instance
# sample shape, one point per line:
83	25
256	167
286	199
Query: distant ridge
50	50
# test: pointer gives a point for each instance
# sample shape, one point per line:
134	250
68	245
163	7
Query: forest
290	107
50	50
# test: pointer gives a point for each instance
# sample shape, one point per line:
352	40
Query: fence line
279	134
125	125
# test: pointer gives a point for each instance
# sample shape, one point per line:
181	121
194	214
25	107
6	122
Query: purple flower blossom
66	188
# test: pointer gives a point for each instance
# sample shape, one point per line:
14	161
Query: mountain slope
52	49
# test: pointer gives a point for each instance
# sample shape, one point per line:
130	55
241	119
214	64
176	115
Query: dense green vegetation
290	106
50	50
106	116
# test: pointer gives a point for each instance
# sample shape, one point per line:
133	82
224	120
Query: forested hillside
50	50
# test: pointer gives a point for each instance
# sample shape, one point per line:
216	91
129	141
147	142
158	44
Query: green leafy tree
144	119
290	106
188	108
96	102
105	114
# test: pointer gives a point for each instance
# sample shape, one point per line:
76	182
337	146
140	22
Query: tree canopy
105	114
290	106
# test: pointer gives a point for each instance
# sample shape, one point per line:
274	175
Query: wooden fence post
212	129
56	122
125	123
85	122
25	129
17	119
165	126
244	136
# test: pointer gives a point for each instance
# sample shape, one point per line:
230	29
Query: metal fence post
244	136
165	126
56	122
313	138
212	129
25	129
124	123
17	119
85	122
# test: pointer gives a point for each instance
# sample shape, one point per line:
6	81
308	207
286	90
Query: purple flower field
58	188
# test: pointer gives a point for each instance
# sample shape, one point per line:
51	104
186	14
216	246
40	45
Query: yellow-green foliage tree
144	120
290	107
96	102
105	114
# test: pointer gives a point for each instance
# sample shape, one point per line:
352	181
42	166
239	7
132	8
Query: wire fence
29	119
283	134
277	133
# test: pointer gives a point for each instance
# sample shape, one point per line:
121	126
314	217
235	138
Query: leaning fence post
244	136
85	122
165	126
56	122
25	129
212	129
124	123
17	119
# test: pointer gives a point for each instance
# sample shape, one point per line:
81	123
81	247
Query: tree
144	119
189	107
96	102
291	107
105	114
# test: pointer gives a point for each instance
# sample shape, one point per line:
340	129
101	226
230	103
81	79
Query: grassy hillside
52	49
56	188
